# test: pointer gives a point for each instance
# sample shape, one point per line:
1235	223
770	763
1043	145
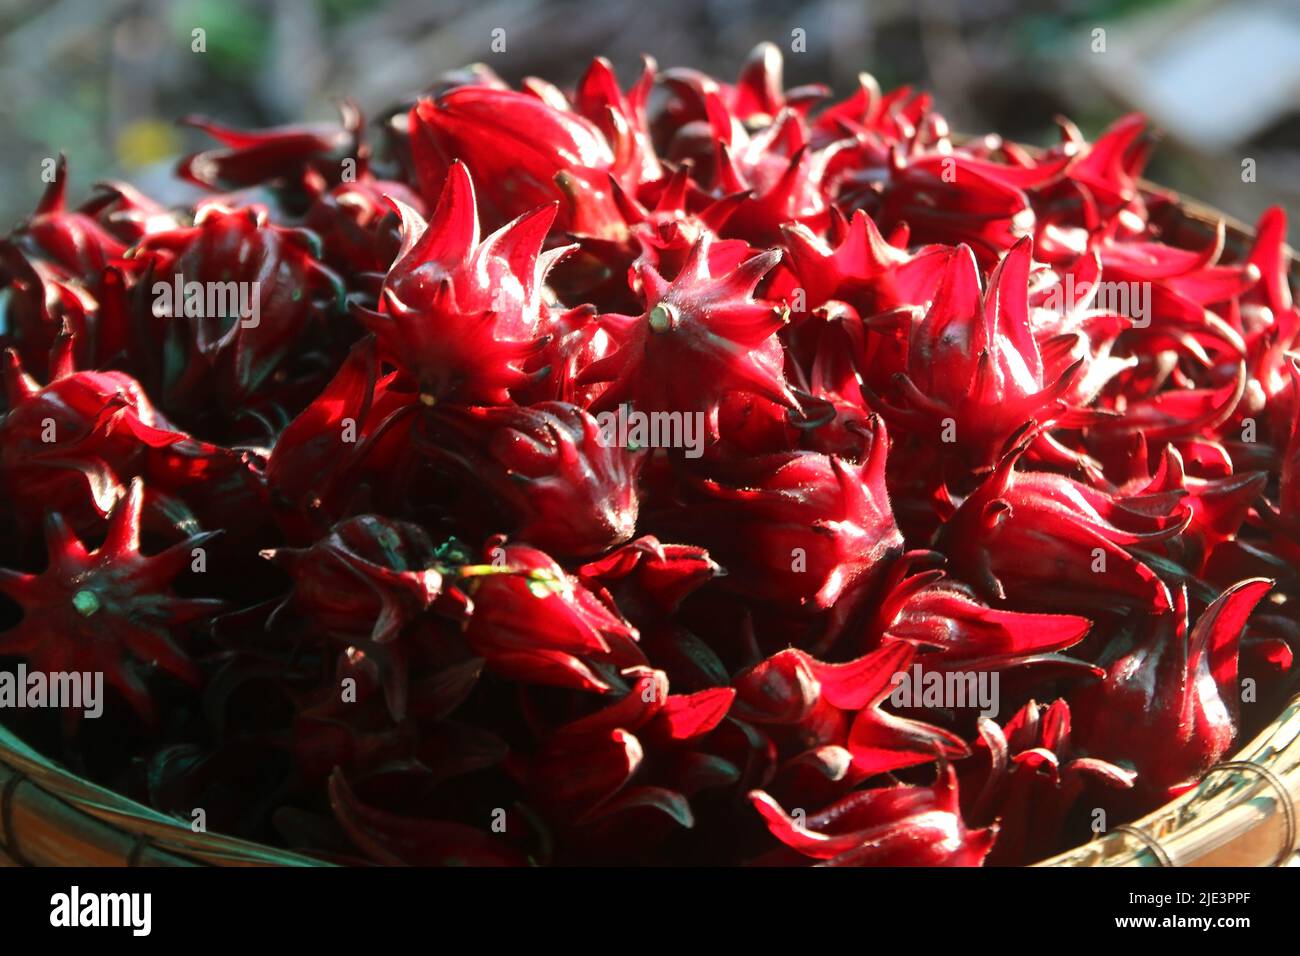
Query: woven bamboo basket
1245	811
50	817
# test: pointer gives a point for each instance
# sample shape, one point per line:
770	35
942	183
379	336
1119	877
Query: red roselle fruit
700	472
109	609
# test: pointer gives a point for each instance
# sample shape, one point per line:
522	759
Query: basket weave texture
50	817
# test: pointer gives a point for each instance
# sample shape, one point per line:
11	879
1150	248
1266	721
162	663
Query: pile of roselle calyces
577	477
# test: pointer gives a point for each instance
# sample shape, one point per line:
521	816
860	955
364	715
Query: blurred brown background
105	79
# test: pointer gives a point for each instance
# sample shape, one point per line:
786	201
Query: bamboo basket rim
1244	812
35	791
